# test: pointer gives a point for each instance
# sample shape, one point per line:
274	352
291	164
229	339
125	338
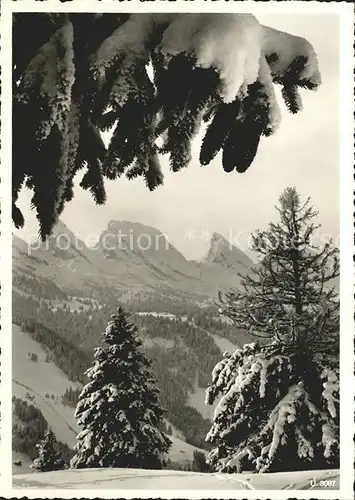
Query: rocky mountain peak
225	253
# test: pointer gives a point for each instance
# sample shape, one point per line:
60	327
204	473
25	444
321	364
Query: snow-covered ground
181	451
157	314
124	479
196	399
23	463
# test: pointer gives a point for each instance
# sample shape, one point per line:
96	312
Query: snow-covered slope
133	479
181	451
22	462
196	399
44	382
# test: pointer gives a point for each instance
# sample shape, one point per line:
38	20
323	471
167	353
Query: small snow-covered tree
118	409
278	403
49	458
68	87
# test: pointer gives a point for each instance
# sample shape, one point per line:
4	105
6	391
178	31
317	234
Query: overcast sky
304	153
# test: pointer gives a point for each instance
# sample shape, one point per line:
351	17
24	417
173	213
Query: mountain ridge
131	255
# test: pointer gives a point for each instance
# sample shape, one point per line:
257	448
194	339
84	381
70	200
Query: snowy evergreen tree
49	458
68	86
118	410
278	403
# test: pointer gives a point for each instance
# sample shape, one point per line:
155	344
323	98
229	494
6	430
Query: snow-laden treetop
235	45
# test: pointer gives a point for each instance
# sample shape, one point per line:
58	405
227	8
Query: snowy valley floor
87	479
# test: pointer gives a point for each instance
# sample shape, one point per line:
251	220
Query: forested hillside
183	349
28	429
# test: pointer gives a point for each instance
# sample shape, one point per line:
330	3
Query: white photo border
346	185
